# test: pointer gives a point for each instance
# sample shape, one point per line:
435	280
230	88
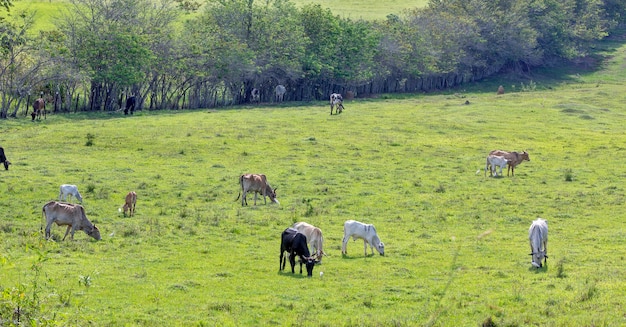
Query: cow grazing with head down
255	95
538	236
313	236
513	158
336	100
72	215
294	243
3	159
130	201
280	93
256	183
69	190
39	107
130	105
366	232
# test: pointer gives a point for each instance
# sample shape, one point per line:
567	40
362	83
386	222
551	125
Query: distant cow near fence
255	96
3	159
280	93
336	100
39	108
131	102
70	215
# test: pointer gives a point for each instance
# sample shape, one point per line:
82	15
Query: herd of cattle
296	239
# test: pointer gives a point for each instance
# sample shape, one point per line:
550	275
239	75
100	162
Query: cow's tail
240	184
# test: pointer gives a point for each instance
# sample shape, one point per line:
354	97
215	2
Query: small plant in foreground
90	138
569	175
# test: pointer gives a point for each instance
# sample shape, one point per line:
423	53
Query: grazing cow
39	107
257	183
513	158
366	232
538	236
336	100
313	236
255	95
3	159
131	200
294	243
500	90
67	189
130	105
493	162
72	215
280	93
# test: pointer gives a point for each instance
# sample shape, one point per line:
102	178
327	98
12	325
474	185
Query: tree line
184	55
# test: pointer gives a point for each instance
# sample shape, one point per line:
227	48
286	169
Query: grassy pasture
47	11
456	242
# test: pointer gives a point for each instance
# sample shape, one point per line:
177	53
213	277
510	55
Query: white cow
256	183
366	232
313	236
255	95
336	100
493	162
72	215
280	93
538	236
67	189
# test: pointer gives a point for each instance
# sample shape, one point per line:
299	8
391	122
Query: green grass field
456	242
46	12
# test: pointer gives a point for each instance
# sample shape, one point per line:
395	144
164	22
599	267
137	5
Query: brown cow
514	159
257	183
131	200
39	107
72	215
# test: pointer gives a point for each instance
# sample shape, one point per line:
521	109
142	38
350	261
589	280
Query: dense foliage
108	49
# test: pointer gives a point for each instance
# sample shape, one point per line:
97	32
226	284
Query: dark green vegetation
97	52
456	242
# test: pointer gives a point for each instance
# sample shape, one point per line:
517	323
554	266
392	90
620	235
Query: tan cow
256	183
131	200
72	215
514	159
313	236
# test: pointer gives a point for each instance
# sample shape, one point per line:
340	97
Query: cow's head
525	156
271	193
537	257
94	232
309	263
380	247
6	164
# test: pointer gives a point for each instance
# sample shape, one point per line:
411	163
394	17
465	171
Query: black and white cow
336	100
295	244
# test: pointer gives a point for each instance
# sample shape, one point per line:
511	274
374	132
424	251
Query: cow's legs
255	194
243	198
67	231
48	225
365	247
292	261
344	246
281	261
